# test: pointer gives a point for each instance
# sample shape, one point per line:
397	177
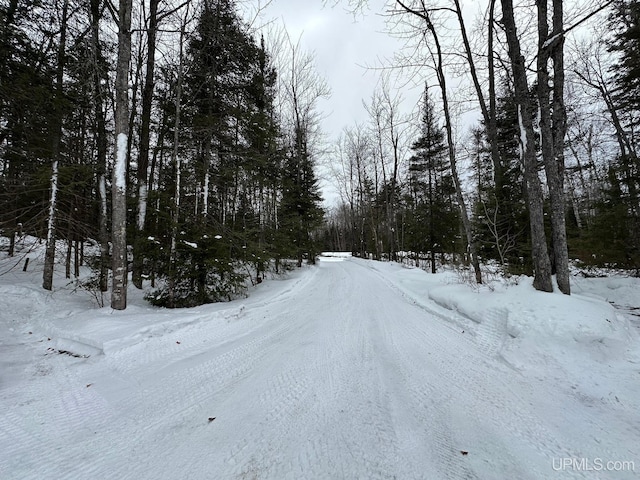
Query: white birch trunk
47	282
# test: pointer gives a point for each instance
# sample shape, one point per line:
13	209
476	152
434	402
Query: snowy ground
352	369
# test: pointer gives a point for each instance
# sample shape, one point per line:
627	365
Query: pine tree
264	164
229	167
434	220
611	240
300	210
28	111
626	21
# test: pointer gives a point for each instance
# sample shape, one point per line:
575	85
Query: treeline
166	131
550	173
184	143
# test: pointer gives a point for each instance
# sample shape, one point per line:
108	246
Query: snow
102	186
205	208
120	168
142	206
351	369
523	134
53	202
551	40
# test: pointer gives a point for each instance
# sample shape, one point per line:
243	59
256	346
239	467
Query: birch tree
50	251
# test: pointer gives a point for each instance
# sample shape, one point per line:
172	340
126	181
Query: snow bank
523	312
69	320
514	321
334	256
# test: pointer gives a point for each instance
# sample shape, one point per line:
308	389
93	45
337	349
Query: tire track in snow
74	410
305	420
70	411
490	334
173	399
324	388
201	332
419	401
468	373
484	399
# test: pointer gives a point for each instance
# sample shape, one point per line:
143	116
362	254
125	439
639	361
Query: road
342	376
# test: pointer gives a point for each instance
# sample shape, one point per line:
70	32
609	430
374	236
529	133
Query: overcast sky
344	46
349	49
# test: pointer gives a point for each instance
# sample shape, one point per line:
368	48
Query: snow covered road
343	375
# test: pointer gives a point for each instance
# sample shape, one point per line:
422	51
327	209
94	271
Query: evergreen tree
264	164
626	22
300	211
28	111
626	171
231	168
434	219
611	240
501	210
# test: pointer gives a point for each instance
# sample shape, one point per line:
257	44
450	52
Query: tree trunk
119	179
77	258
101	145
12	243
488	113
143	158
50	250
391	220
559	133
466	223
67	265
541	263
176	161
553	132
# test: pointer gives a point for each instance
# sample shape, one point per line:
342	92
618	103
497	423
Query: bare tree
145	130
541	263
355	156
553	121
303	88
592	69
388	126
437	56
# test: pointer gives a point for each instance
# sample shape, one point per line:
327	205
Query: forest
177	144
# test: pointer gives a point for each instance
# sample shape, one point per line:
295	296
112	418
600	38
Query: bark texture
541	263
119	187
